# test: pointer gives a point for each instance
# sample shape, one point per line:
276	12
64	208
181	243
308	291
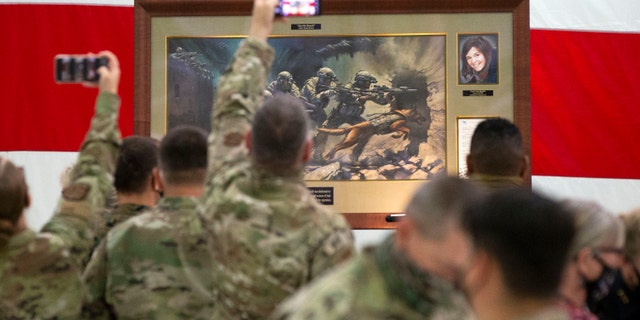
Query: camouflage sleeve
94	278
336	246
83	200
240	92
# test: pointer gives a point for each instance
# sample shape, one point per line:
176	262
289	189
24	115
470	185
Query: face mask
599	288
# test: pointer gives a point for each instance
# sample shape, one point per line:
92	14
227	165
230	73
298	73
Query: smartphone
71	68
298	8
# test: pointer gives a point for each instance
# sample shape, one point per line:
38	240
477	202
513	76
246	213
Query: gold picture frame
365	204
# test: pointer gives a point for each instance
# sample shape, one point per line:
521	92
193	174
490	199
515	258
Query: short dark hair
138	156
528	234
183	155
278	133
496	147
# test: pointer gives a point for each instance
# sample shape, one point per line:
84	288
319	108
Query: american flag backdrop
584	97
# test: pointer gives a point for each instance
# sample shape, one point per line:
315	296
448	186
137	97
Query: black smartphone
77	68
298	8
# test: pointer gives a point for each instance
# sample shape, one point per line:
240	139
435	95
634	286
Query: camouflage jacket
271	236
40	274
153	266
118	214
379	284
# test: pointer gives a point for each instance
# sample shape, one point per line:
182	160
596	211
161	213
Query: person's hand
109	74
262	19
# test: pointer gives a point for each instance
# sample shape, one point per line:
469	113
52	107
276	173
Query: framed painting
371	154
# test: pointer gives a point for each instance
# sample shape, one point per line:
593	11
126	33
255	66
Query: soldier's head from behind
431	234
134	170
522	242
496	149
14	198
183	159
279	139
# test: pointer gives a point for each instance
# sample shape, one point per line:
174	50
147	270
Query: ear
583	260
306	152
158	184
248	143
470	165
525	166
478	274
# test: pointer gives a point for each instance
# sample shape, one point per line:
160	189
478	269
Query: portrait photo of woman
478	59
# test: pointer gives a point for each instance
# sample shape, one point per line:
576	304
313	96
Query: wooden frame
146	10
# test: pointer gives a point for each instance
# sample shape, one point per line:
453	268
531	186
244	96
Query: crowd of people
220	225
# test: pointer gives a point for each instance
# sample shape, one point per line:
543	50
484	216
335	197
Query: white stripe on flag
42	170
617	195
586	15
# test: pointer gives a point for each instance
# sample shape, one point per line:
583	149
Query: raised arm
240	92
83	200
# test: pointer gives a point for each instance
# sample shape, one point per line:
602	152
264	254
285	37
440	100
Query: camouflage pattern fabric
153	266
40	274
271	236
379	284
118	214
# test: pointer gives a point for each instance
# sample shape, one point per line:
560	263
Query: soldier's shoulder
330	296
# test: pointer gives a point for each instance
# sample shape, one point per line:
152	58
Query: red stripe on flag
37	114
585	103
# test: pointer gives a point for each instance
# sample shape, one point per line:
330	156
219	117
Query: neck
21	225
572	288
147	198
496	302
508	307
183	190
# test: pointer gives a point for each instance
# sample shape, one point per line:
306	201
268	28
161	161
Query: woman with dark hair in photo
479	61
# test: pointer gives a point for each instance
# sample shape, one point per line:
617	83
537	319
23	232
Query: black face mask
599	288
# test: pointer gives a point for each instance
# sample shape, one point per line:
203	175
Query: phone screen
77	68
298	8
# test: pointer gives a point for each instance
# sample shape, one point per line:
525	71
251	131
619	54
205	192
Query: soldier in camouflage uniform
270	234
283	85
522	242
352	98
40	272
133	180
317	93
157	264
496	158
413	274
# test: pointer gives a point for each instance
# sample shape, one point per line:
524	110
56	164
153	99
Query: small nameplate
324	195
477	93
306	26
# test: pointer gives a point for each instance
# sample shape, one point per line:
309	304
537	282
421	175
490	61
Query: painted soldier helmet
284	80
365	76
325	72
